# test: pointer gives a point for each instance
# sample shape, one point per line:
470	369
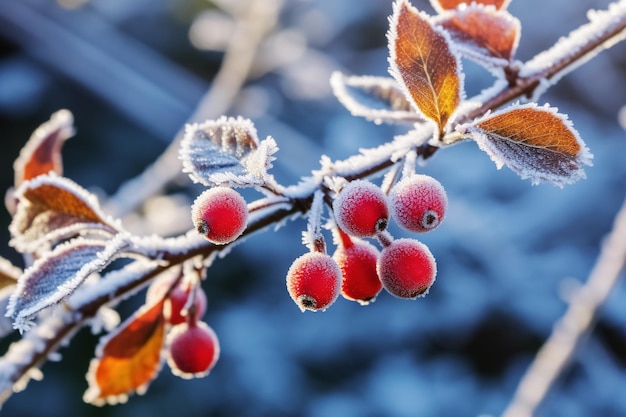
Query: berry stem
384	238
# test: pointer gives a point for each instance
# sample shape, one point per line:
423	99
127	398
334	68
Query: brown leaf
42	152
128	359
422	61
483	30
535	142
441	5
9	274
51	208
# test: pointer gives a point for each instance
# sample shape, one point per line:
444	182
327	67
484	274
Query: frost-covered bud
357	261
361	209
314	281
193	349
220	215
407	268
418	203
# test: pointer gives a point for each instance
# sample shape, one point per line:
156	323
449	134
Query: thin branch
252	26
568	333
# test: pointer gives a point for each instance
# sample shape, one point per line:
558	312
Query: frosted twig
252	26
577	321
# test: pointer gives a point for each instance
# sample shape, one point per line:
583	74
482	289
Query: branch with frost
575	324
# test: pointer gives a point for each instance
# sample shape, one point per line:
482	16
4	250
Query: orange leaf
51	208
484	30
9	274
129	359
422	61
42	152
535	142
441	5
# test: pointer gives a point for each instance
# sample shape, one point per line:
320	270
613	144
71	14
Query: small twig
568	333
252	27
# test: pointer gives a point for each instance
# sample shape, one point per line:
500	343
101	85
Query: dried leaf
379	99
226	152
51	208
128	359
57	274
422	61
42	152
535	142
483	33
441	5
9	274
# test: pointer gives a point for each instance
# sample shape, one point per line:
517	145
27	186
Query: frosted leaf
535	142
423	62
226	152
443	5
128	358
379	99
483	34
52	208
42	152
56	275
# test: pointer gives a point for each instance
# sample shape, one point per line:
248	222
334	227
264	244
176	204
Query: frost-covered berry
314	281
418	203
406	268
177	300
357	261
220	214
193	349
361	209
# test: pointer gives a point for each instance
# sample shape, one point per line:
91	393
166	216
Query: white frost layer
601	23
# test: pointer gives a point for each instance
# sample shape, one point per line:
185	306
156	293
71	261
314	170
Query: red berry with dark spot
193	349
357	261
314	281
220	215
361	209
407	268
418	203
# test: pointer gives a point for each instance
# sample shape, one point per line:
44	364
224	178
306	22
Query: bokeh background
133	71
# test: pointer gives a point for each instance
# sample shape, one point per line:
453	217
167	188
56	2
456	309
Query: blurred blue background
133	71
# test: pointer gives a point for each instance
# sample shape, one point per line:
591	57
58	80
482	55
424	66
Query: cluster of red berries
357	270
192	346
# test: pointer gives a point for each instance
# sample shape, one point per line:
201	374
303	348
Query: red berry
193	349
361	209
314	281
357	261
220	215
406	268
177	300
418	203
